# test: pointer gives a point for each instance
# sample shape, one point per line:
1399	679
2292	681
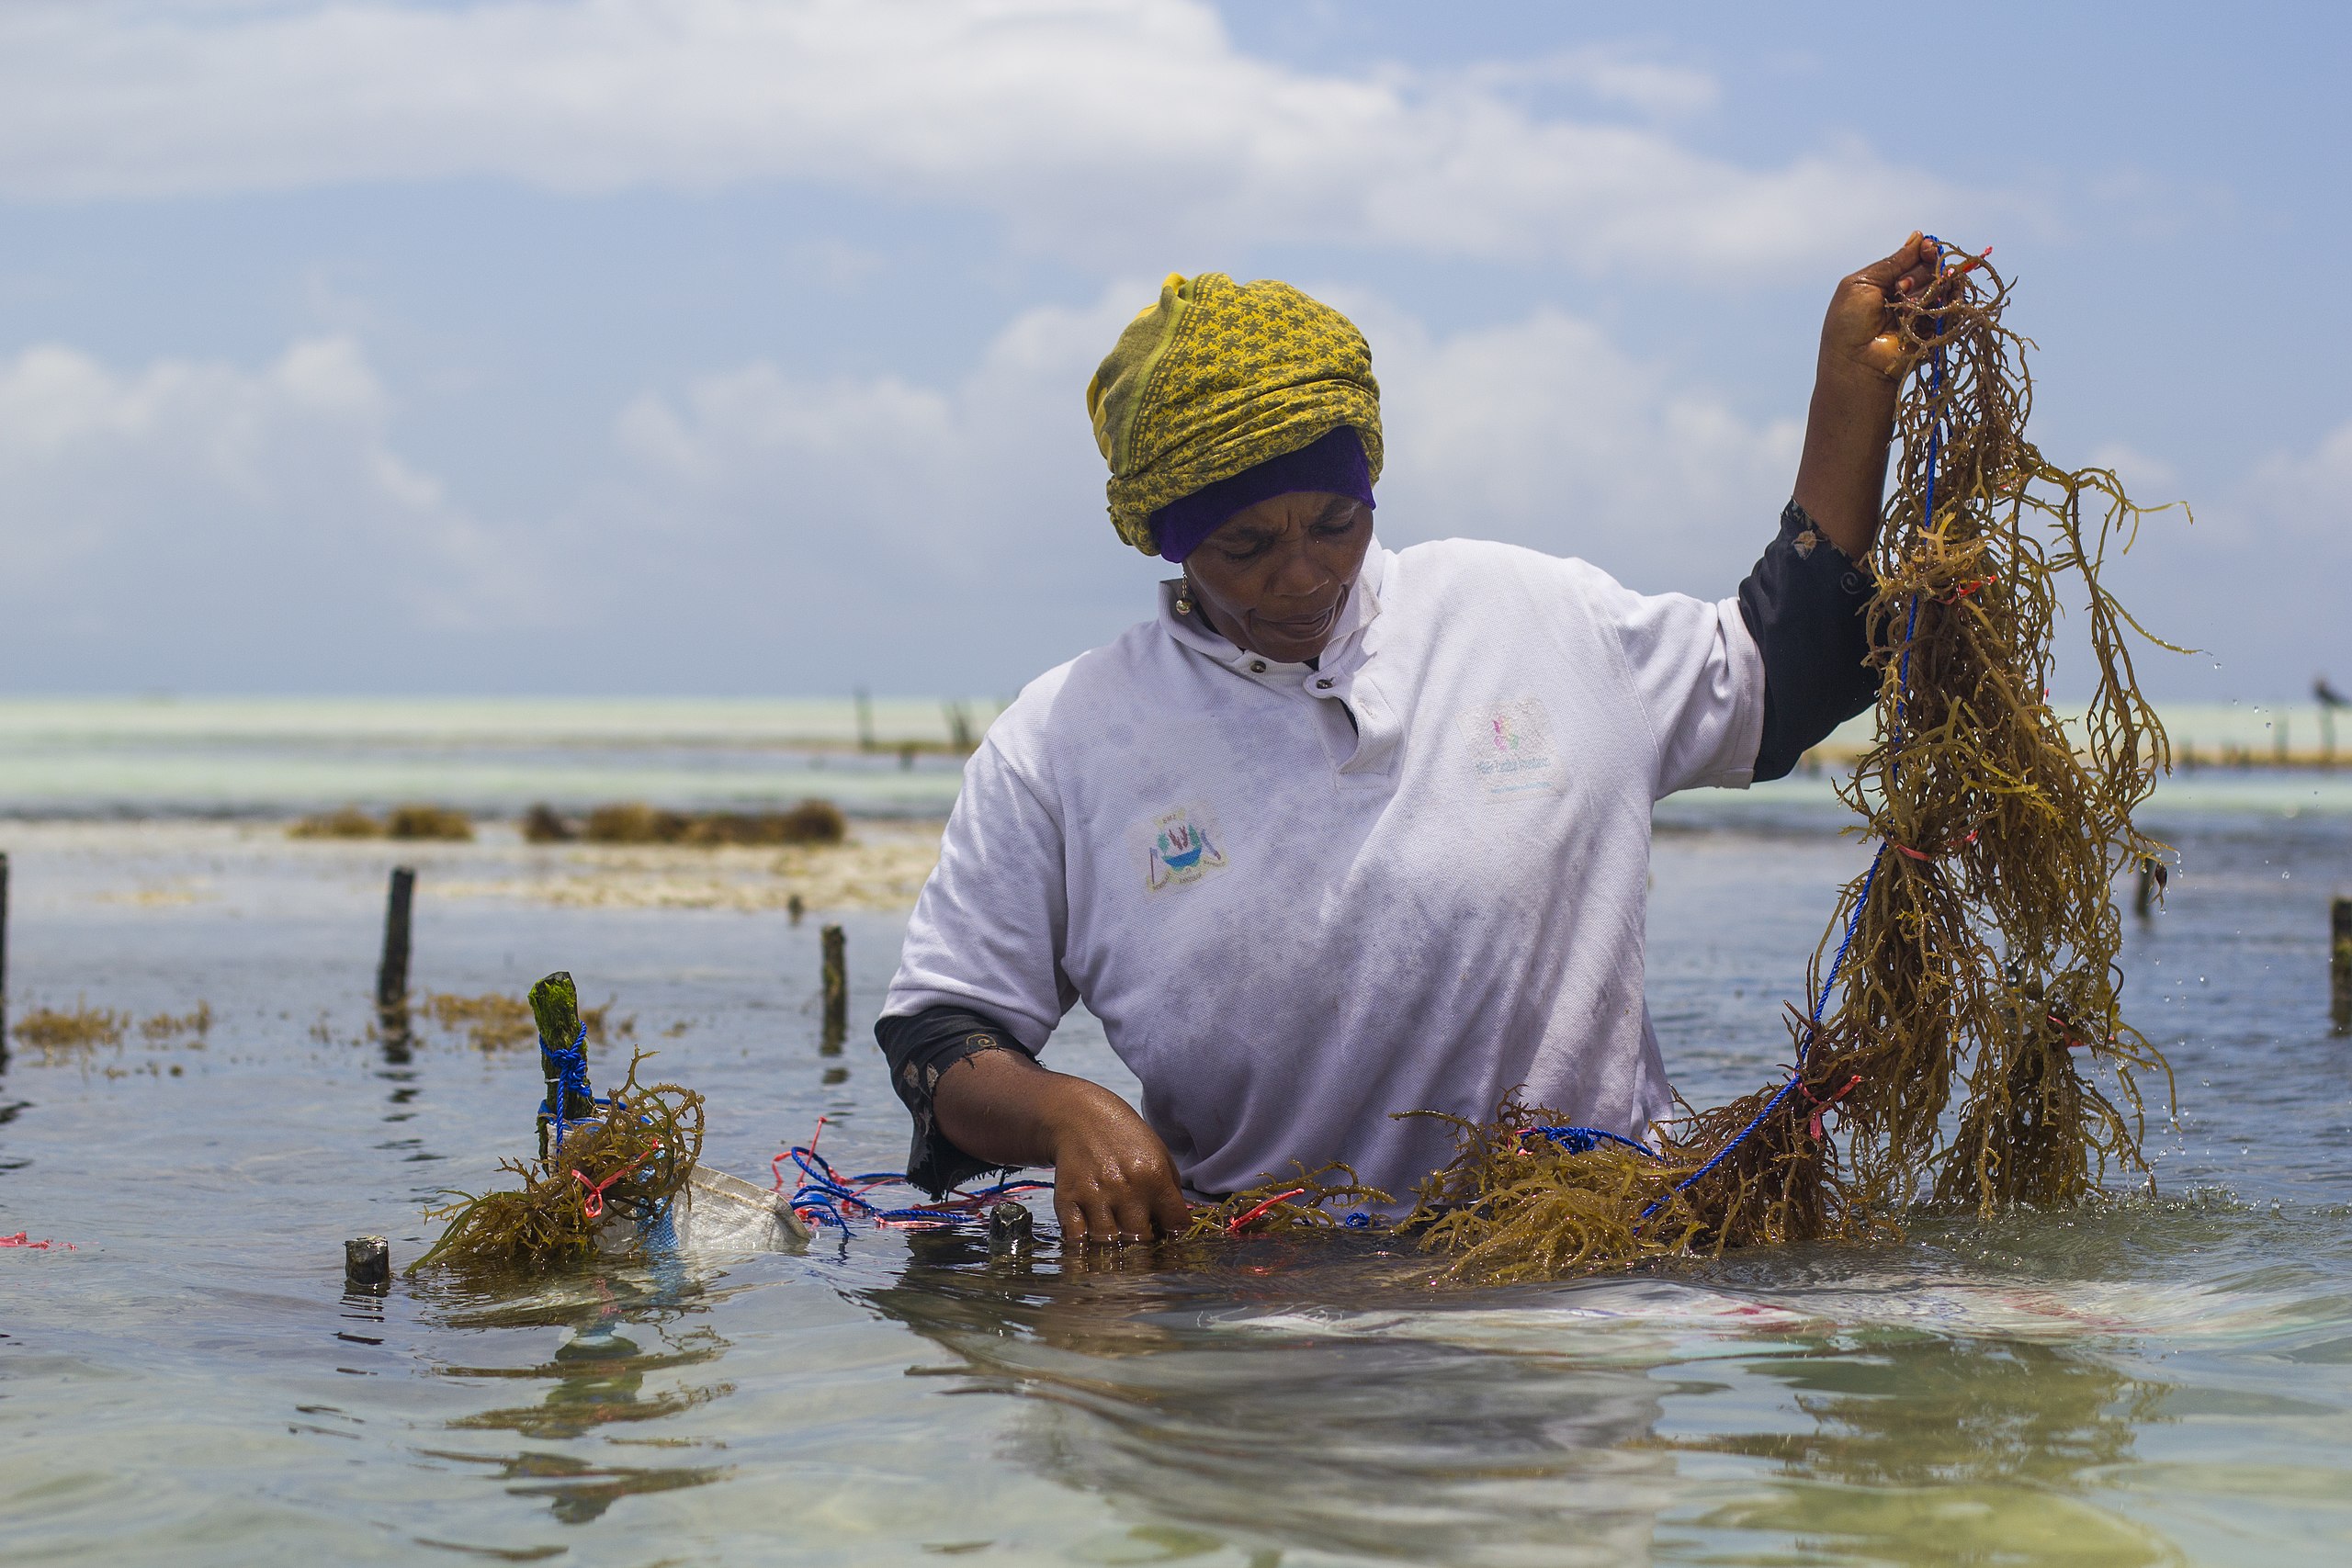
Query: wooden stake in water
391	974
836	979
367	1262
555	1008
865	719
4	958
2339	964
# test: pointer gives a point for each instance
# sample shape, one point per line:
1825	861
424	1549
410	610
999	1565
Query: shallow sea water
2165	1380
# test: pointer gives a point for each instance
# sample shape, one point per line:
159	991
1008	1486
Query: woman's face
1274	578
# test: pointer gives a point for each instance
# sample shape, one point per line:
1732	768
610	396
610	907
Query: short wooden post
796	908
367	1262
391	974
865	719
2339	964
4	958
836	981
1012	1229
2143	898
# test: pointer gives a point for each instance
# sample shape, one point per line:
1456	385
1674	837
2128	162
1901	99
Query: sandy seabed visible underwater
2148	1382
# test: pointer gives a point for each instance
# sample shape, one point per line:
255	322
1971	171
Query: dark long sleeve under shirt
1802	603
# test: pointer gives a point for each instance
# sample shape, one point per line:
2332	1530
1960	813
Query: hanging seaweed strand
1967	1009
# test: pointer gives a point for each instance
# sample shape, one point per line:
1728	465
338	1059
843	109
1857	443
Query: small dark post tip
836	982
2339	964
794	908
368	1261
1012	1228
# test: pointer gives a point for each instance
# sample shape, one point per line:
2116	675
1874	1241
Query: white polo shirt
1292	926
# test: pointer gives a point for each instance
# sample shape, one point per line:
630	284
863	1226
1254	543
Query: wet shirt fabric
1302	899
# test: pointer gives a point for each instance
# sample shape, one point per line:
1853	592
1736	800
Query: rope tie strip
24	1239
1954	848
1819	1106
593	1205
1277	1198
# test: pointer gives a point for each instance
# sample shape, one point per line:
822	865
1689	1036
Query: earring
1185	598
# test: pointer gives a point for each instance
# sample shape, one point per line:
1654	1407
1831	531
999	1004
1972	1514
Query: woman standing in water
1345	831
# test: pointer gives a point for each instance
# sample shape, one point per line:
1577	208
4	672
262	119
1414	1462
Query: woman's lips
1301	628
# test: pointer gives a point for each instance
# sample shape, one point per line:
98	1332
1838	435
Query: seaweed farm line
287	757
2152	1380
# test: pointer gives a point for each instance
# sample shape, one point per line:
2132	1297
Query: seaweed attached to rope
623	1155
1976	1053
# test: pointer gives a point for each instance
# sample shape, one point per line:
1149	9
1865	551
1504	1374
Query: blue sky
737	346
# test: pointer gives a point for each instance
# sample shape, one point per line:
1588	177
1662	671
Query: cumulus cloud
1090	126
184	510
833	505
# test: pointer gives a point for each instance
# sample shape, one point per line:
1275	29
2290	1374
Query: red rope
24	1239
1821	1105
1277	1198
593	1205
1955	846
1965	589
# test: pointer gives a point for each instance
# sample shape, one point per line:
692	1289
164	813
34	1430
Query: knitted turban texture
1215	378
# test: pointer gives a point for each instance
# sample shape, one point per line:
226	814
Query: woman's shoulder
1443	567
1080	694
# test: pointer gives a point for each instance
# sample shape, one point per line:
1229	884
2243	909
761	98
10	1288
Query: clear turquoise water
2162	1381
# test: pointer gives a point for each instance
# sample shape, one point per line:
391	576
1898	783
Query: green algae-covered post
555	1007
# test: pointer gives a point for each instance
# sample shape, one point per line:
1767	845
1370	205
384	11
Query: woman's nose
1297	575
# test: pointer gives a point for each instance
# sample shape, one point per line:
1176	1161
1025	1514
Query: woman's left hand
1859	333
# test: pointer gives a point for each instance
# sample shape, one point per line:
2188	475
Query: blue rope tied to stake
1870	878
572	1079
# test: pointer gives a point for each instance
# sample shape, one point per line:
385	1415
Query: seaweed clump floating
1973	965
624	1155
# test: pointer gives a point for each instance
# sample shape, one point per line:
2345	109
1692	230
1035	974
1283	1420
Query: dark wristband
920	1048
1803	605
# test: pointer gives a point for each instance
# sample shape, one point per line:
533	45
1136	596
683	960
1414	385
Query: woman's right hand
1113	1179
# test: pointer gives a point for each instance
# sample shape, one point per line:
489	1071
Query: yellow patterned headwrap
1217	377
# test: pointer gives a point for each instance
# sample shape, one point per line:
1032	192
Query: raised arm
1804	602
1856	379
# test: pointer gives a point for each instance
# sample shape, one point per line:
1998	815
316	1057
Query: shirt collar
1362	608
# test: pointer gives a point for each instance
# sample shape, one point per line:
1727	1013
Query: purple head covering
1332	463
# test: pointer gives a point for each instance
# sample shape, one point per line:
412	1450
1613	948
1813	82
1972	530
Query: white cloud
845	502
2308	494
1096	127
188	504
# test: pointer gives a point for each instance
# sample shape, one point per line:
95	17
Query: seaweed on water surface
54	1031
495	1021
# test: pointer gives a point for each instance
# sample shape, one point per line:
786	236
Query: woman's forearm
1000	1107
1842	474
1856	380
1112	1179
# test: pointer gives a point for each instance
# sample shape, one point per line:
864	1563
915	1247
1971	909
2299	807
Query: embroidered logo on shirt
1181	850
1510	747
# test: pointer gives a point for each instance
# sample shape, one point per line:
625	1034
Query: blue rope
1870	878
572	1079
826	1196
1583	1140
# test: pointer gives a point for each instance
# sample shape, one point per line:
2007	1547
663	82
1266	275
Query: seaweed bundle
626	1156
1972	965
